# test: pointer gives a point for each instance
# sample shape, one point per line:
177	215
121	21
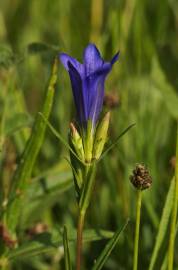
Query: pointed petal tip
92	58
91	51
64	58
91	46
115	58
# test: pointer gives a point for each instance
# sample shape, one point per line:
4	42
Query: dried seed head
141	178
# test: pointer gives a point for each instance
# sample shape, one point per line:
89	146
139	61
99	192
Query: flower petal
92	59
94	89
65	58
87	81
115	58
97	102
79	97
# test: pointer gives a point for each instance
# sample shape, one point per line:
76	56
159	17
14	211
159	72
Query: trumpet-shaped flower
87	82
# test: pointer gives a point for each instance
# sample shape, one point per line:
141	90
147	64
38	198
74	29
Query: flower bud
141	178
88	145
101	136
76	141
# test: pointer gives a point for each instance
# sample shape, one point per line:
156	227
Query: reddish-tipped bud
76	141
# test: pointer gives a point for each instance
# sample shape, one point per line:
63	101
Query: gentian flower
87	82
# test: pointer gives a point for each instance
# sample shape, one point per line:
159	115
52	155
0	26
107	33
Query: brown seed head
141	178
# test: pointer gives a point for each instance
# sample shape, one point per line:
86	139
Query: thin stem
137	228
81	219
174	215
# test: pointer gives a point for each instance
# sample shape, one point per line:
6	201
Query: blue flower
87	82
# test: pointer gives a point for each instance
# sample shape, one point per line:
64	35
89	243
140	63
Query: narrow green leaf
48	242
23	172
68	265
108	249
116	141
76	178
163	225
165	260
57	134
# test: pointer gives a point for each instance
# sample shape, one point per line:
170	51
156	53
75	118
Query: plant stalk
81	219
174	214
137	229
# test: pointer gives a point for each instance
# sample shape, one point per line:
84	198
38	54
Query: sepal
88	142
101	136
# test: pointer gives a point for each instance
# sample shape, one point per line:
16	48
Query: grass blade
23	172
68	265
116	141
108	249
163	225
58	135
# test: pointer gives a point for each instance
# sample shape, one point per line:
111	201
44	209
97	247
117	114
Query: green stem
137	228
81	220
174	215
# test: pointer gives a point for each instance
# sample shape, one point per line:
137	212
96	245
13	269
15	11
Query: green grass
146	83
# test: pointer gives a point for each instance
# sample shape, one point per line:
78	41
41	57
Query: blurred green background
141	89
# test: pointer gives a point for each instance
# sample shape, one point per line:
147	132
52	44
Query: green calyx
88	146
88	142
101	136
